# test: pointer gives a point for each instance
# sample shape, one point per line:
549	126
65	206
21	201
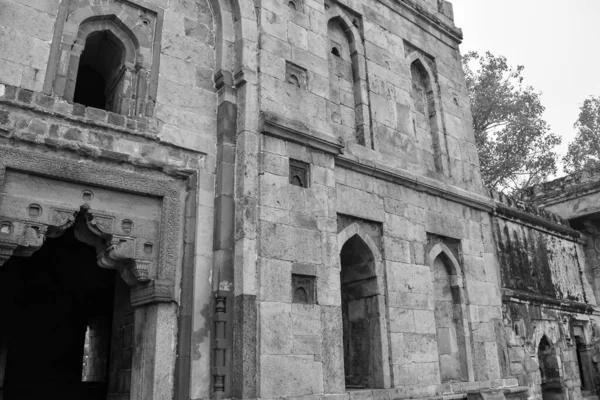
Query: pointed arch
426	107
451	262
363	309
362	134
355	229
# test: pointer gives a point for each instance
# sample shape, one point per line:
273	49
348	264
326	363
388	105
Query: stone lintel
418	183
293	131
155	291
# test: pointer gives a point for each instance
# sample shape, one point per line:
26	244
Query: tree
584	151
514	142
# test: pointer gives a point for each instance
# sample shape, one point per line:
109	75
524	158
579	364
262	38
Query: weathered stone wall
172	133
547	299
406	186
384	40
536	262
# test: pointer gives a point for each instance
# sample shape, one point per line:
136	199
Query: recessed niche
34	210
87	195
5	228
127	225
295	75
299	173
148	248
303	289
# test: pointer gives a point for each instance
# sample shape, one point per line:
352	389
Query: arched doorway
550	371
363	364
57	309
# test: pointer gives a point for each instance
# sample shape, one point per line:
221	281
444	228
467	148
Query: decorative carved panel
133	221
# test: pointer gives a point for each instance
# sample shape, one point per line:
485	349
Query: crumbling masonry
272	199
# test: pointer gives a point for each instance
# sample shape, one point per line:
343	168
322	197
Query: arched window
101	74
425	117
106	69
449	323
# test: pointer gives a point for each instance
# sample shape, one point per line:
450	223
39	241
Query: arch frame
385	368
362	111
456	282
436	136
73	27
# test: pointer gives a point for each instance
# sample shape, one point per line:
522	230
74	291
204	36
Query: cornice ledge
418	183
452	31
535	220
292	131
519	295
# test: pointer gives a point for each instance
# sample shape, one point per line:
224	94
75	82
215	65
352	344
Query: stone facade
287	195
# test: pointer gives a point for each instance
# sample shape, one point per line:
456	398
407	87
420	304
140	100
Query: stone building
272	199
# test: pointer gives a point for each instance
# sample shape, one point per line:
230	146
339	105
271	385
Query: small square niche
299	173
295	75
303	289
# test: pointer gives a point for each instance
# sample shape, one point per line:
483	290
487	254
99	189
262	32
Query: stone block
275	280
306	325
417	374
424	321
289	243
285	376
397	249
275	328
403	228
333	351
401	320
417	348
415	301
306	345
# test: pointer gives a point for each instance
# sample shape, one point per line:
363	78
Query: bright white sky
556	42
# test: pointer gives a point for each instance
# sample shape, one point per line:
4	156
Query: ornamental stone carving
132	221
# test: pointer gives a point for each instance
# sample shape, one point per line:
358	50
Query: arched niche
454	347
427	121
550	369
364	325
348	99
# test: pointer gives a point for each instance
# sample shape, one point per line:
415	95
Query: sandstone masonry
278	199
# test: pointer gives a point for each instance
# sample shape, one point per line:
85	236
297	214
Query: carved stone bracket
132	220
113	251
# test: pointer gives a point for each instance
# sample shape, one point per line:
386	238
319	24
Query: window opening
101	70
335	52
292	5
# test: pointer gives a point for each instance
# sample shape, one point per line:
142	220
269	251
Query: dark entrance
360	316
550	370
56	323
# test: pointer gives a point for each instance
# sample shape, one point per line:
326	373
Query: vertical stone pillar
154	353
221	306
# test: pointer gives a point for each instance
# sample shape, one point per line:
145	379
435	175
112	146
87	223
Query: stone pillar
152	373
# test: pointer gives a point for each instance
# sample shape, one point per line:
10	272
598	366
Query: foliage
584	151
513	140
